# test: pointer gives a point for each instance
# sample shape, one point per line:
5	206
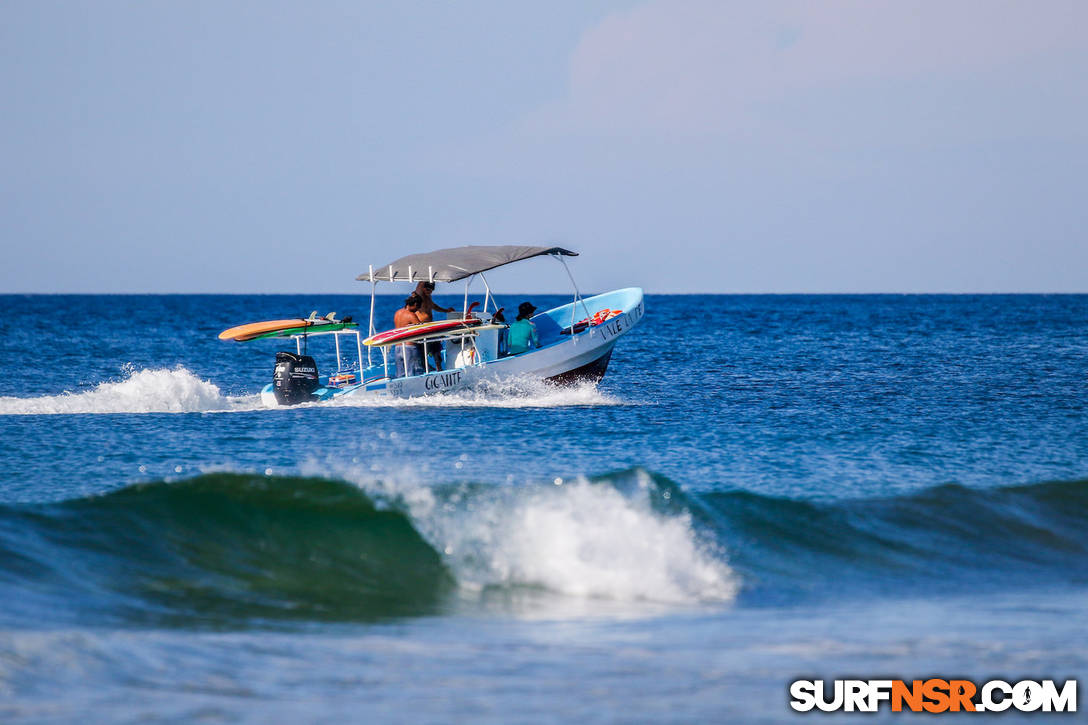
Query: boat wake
180	391
142	391
509	393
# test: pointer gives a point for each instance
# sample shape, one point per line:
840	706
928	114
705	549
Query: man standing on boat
408	355
427	304
427	307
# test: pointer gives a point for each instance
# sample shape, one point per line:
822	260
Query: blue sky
682	146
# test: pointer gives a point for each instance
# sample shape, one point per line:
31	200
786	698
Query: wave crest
221	547
229	548
587	538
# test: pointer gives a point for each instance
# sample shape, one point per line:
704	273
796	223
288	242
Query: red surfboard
424	328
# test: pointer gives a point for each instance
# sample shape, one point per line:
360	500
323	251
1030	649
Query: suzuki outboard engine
295	379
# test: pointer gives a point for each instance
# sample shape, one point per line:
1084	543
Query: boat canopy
450	265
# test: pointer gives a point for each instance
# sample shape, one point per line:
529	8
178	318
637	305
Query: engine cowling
295	378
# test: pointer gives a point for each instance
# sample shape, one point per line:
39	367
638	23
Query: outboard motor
295	379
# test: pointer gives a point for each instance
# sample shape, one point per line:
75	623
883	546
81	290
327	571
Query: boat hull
588	373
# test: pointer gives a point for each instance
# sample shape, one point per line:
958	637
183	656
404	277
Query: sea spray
142	391
510	393
588	539
180	390
607	538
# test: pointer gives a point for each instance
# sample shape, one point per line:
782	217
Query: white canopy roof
450	265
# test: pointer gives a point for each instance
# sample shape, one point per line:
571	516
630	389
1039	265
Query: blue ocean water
762	488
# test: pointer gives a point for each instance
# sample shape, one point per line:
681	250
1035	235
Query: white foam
180	391
579	538
143	391
590	540
511	393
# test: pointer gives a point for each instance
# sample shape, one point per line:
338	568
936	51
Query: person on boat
427	304
500	319
426	314
408	355
522	335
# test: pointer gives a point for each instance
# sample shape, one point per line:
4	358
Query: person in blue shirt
522	336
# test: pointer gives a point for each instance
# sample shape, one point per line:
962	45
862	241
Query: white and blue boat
576	340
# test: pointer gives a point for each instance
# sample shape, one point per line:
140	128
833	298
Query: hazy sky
840	146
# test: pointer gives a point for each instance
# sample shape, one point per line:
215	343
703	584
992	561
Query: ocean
762	489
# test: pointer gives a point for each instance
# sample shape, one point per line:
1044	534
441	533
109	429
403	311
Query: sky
685	146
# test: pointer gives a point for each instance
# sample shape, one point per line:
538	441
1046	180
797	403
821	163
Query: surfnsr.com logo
933	695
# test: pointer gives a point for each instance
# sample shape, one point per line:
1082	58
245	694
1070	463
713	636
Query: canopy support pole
577	295
488	294
373	290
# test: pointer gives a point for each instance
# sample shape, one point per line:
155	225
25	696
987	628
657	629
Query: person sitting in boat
427	307
408	355
499	319
522	335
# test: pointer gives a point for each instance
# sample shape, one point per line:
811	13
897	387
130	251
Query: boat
576	339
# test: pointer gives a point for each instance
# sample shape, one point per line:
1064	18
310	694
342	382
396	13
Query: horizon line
563	293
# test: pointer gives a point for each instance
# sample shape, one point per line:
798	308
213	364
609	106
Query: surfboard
317	328
436	336
403	334
244	332
281	328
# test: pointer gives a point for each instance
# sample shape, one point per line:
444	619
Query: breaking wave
224	549
605	538
227	547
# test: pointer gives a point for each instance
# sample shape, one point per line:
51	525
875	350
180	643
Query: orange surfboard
241	333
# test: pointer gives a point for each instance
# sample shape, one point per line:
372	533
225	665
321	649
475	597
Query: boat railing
468	336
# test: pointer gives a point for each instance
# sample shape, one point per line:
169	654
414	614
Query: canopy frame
456	263
441	267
